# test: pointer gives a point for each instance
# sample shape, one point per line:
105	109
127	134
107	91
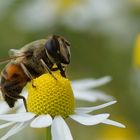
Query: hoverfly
31	61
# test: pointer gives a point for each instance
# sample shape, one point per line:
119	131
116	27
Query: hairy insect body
12	82
34	53
31	61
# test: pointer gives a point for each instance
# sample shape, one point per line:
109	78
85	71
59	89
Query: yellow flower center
51	96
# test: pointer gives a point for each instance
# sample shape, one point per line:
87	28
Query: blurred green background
102	34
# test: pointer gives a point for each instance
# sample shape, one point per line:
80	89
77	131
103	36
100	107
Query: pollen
51	96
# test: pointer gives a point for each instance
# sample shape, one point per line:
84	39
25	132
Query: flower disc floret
51	96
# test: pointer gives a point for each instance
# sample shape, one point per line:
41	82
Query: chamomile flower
82	90
49	104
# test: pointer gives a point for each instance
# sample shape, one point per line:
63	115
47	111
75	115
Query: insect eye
52	46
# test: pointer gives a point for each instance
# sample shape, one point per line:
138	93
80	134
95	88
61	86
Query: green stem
48	133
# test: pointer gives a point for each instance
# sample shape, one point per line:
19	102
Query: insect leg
24	101
61	69
27	73
11	93
15	97
47	68
10	100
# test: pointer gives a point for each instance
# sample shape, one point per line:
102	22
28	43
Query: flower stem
48	133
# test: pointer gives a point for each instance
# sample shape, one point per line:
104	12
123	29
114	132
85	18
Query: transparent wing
14	52
7	59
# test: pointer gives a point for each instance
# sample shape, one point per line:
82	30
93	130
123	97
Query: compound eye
52	46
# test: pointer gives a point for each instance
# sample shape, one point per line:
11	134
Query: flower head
82	90
49	103
51	96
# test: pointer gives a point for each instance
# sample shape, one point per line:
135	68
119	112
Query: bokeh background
102	35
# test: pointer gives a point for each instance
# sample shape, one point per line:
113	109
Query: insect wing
14	52
5	60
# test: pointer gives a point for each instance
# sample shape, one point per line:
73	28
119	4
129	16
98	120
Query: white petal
91	96
60	130
4	108
20	117
102	95
41	121
90	83
6	125
111	122
18	127
90	109
20	102
21	109
85	96
87	119
24	93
